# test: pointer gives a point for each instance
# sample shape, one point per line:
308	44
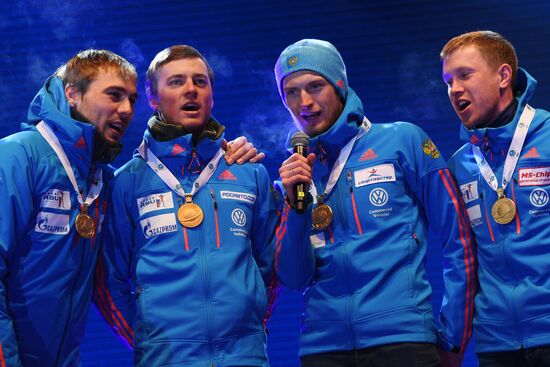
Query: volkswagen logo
378	197
539	197
238	217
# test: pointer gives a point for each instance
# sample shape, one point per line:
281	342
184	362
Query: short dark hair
82	68
494	48
170	54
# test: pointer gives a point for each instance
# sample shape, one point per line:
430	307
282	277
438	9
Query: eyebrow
184	76
122	90
321	79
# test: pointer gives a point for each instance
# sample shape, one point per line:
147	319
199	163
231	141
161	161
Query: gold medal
504	209
321	216
84	224
190	214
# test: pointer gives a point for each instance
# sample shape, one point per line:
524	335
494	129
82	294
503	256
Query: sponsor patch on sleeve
152	202
52	223
159	224
373	175
539	176
469	191
241	196
57	199
474	213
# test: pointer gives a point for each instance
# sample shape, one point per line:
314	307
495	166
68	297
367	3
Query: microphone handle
300	189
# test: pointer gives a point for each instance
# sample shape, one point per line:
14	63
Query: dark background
390	47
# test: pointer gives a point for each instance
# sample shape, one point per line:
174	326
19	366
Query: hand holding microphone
295	172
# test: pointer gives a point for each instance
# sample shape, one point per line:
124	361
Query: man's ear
153	102
72	94
505	73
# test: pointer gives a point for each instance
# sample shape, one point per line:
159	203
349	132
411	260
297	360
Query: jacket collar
184	146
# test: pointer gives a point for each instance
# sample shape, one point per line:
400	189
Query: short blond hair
83	68
494	48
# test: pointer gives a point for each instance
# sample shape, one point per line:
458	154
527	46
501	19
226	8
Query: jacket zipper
213	196
76	281
185	235
487	219
203	253
341	213
355	213
517	218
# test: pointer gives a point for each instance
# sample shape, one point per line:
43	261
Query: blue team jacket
364	278
513	304
46	268
189	296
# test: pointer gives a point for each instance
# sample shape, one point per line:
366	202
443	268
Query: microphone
299	143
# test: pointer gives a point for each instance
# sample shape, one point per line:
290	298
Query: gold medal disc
503	210
190	215
321	217
84	225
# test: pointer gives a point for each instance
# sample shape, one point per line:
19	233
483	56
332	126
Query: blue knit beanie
315	55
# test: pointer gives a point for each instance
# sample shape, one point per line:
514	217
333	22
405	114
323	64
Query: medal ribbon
97	183
340	162
168	177
513	152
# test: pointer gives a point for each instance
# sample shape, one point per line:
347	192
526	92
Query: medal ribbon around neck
84	223
189	214
510	163
322	213
340	162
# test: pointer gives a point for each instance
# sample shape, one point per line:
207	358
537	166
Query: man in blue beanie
378	195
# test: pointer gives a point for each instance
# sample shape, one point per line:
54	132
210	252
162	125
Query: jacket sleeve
16	195
448	225
113	292
295	258
263	227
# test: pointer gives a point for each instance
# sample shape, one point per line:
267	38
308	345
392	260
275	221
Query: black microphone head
299	138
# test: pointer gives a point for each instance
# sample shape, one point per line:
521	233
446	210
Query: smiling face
108	103
478	91
312	100
184	94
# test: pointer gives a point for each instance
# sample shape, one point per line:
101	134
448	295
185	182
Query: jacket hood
50	105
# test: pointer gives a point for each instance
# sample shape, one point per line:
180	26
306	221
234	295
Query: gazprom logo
158	224
52	223
539	198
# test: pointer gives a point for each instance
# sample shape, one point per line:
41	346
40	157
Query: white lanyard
97	182
168	177
513	152
340	162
